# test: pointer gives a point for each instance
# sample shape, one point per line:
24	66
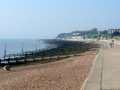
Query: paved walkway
105	74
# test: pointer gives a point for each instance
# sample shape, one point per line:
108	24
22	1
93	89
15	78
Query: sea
14	46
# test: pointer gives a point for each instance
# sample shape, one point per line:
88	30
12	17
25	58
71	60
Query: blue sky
38	19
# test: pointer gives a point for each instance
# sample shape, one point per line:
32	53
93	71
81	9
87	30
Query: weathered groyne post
7	67
66	51
58	55
0	61
25	57
33	56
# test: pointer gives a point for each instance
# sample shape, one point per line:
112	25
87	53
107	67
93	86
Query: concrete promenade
105	73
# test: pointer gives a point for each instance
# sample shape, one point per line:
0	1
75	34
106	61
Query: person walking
112	44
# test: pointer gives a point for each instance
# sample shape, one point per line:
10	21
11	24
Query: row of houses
111	31
80	35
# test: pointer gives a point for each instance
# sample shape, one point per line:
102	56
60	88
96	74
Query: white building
111	31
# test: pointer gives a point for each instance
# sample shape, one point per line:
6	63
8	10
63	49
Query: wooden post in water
9	55
42	56
58	55
20	56
5	52
66	51
0	61
15	57
22	47
73	51
25	57
8	60
33	56
36	46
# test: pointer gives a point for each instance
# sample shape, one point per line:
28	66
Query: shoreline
61	47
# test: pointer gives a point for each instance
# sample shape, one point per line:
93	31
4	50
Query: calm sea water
15	45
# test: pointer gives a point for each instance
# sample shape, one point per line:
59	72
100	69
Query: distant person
112	44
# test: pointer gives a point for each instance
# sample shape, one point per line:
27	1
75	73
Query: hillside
88	33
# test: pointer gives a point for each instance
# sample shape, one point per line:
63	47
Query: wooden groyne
61	48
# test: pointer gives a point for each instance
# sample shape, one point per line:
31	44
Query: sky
44	19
